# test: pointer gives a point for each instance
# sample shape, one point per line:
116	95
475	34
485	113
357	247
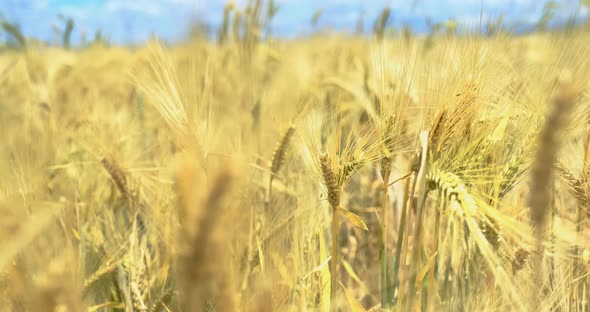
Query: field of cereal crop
326	173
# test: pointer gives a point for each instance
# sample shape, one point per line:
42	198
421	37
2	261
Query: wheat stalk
330	181
541	171
387	150
278	159
333	190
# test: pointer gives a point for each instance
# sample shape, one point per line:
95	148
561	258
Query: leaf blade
353	304
353	218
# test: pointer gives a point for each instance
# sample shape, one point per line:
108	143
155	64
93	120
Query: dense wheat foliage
327	173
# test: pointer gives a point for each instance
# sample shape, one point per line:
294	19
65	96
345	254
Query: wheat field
326	173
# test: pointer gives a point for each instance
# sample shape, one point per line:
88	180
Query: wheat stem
278	159
400	236
333	189
541	174
423	193
385	287
432	287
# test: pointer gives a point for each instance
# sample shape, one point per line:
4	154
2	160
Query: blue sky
136	20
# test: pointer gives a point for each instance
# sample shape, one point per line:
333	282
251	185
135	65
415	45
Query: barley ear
330	181
278	157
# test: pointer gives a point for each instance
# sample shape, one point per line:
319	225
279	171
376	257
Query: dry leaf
354	305
353	218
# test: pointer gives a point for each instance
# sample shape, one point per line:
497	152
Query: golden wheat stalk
575	185
519	260
117	174
549	141
483	231
387	150
330	181
202	278
278	159
421	180
333	191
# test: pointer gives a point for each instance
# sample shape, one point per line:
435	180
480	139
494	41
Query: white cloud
183	2
148	7
39	4
584	11
77	13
